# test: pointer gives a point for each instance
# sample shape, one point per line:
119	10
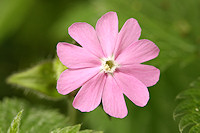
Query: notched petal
129	34
86	36
72	79
76	57
138	52
107	32
134	89
89	96
113	99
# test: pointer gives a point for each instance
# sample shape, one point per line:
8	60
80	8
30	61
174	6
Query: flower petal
138	52
134	89
89	96
76	57
86	36
72	79
148	75
107	31
113	99
129	34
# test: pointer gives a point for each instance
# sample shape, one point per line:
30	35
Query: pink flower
107	66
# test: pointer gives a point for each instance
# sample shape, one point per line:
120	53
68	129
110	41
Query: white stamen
108	65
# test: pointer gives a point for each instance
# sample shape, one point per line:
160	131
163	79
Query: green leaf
14	127
36	119
90	131
40	78
74	129
69	129
195	129
188	109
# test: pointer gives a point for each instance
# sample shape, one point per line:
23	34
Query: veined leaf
35	119
90	131
14	127
189	109
69	129
74	129
195	129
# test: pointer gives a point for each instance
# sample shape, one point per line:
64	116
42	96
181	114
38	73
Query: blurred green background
30	30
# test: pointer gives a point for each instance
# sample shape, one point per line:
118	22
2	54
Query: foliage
33	119
74	129
189	109
14	127
40	78
31	29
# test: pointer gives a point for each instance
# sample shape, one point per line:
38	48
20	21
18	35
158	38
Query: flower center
108	65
